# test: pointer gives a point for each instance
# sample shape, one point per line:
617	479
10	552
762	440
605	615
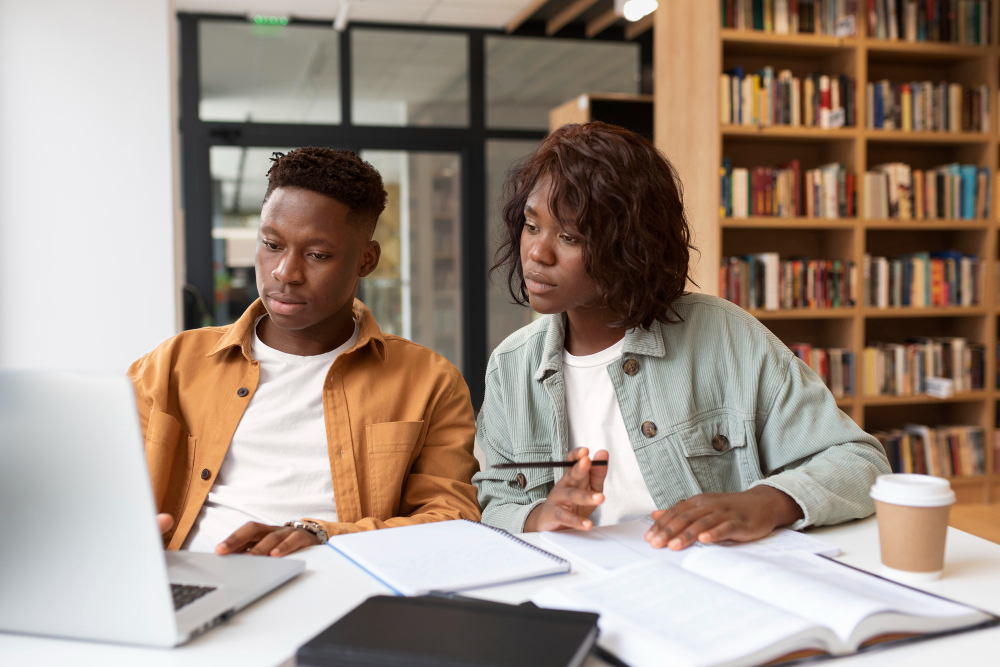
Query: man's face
309	258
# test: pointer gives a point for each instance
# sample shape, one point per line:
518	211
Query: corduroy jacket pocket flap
534	453
393	436
713	435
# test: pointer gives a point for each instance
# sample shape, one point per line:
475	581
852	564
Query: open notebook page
822	591
657	614
445	556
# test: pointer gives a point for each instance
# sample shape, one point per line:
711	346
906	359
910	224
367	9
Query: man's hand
574	497
716	517
263	540
166	522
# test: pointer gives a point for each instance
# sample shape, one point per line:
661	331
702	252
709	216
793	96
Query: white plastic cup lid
913	490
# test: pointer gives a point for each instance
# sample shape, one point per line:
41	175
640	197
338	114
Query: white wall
87	182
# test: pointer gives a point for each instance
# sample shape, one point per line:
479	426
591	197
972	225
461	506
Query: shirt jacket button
206	473
242	391
631	367
522	481
720	443
649	429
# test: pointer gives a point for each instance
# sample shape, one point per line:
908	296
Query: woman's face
552	258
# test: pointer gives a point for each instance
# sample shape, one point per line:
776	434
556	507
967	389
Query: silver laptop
80	551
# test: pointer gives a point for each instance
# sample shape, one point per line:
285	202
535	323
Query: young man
303	420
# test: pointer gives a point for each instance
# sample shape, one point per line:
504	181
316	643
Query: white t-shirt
277	468
595	422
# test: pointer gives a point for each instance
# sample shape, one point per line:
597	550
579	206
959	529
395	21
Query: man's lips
282	304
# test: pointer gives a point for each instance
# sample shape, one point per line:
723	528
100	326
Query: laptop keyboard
185	594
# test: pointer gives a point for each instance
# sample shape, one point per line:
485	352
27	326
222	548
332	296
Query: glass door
416	291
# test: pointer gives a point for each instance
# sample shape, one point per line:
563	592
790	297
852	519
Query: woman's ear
369	260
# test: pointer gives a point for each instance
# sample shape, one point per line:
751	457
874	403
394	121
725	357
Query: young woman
708	422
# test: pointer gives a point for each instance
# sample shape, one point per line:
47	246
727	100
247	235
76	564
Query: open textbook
723	607
611	547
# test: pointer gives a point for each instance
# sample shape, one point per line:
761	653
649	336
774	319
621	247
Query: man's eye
319	256
269	245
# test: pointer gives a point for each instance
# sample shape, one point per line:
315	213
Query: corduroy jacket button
631	367
242	391
206	473
720	443
522	481
649	429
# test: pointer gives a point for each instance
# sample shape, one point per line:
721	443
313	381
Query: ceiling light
633	10
340	22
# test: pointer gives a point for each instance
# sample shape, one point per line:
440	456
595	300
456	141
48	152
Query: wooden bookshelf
687	68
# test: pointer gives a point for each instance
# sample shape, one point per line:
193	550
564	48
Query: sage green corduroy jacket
718	372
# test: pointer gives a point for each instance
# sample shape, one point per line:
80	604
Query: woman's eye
569	239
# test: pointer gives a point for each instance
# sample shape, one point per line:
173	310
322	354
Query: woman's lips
536	287
285	308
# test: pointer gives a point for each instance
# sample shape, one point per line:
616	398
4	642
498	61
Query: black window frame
199	136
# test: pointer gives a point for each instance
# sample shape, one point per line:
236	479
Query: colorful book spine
923	279
925	106
767	98
792	17
944	451
765	281
955	21
947	192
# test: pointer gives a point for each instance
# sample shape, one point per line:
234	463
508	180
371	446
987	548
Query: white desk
268	633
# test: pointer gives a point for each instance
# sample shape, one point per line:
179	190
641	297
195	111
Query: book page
682	618
620	545
444	556
817	589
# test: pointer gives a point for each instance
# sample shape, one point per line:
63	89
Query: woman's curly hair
624	198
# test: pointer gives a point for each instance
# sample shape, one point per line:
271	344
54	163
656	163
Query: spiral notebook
446	556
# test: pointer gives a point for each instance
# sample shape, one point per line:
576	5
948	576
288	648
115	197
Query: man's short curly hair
623	196
340	175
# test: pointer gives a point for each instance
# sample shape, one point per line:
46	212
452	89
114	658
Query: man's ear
369	260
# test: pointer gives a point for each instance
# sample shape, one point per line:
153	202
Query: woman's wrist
781	506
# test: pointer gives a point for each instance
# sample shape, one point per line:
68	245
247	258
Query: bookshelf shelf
750	41
902	312
925	225
928	51
805	314
787	132
963	397
786	223
926	137
687	68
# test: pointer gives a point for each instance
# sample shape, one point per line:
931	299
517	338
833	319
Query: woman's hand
716	517
574	497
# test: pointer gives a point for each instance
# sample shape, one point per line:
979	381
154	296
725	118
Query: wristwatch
310	526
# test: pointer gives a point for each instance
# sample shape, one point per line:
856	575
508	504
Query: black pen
543	464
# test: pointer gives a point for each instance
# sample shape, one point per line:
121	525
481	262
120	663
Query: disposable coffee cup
912	513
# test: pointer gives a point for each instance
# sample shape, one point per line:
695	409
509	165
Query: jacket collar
240	333
637	341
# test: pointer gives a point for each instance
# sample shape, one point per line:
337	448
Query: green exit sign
260	19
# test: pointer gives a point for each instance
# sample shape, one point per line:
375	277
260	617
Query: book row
766	98
922	279
946	192
924	106
945	451
766	282
835	366
792	17
829	191
958	21
916	367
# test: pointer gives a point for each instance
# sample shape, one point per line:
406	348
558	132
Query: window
409	78
269	74
528	76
